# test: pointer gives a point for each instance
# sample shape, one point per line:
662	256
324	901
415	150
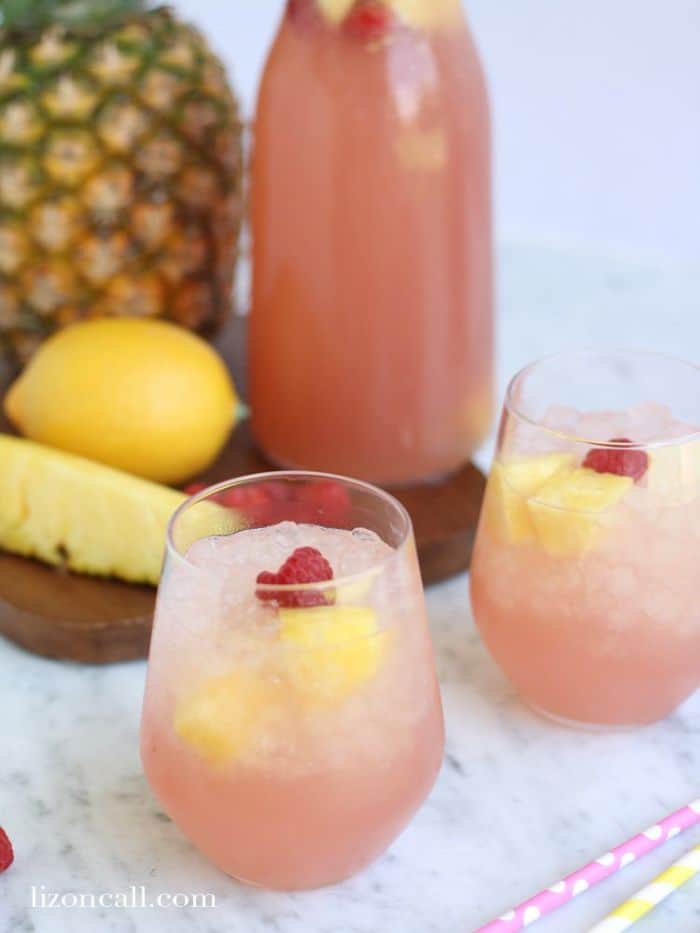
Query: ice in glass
292	722
584	579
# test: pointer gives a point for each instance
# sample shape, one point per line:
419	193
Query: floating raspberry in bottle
620	460
7	856
305	565
369	21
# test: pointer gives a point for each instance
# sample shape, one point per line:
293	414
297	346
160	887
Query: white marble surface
519	801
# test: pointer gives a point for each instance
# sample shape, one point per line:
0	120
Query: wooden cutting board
63	615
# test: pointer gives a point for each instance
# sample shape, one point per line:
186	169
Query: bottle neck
373	20
374	16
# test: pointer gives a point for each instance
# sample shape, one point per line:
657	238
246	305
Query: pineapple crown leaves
33	14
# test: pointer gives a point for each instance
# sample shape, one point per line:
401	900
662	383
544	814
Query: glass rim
511	407
374	570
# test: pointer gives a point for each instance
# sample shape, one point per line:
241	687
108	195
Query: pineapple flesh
511	485
570	510
68	511
120	171
550	501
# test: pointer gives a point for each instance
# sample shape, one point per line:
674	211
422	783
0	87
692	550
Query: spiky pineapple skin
120	177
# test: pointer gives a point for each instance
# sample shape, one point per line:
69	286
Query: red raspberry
7	856
306	565
369	20
194	488
632	462
325	503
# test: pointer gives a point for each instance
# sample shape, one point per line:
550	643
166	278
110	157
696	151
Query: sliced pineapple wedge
567	511
428	14
63	509
220	719
330	651
511	485
333	650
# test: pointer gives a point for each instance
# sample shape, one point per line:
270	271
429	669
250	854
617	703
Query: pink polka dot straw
608	864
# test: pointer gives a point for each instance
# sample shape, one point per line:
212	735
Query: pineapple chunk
334	649
511	485
566	512
419	14
218	721
335	11
428	14
63	509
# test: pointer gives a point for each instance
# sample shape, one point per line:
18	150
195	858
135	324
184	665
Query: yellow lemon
143	396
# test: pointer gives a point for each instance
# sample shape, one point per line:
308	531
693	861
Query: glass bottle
371	333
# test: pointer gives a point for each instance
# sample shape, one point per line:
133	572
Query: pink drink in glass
291	743
584	579
371	339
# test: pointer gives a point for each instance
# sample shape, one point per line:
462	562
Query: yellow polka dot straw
627	914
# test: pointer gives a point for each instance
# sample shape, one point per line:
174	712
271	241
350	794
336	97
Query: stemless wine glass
291	728
584	579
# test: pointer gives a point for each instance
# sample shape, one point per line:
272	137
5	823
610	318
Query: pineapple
331	651
549	500
569	510
511	485
120	169
222	719
65	510
338	649
71	512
